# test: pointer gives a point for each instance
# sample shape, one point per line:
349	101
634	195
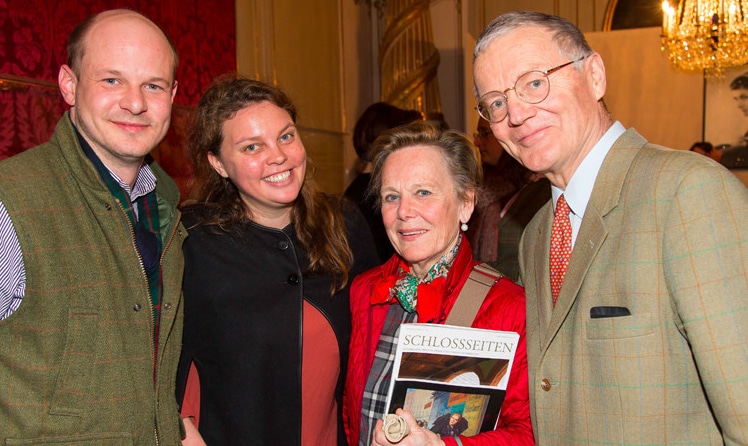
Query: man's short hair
76	40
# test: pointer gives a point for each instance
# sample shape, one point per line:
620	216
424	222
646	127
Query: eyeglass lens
532	87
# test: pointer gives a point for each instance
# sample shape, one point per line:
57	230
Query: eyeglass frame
545	74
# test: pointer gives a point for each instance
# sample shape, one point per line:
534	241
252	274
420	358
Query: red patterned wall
33	34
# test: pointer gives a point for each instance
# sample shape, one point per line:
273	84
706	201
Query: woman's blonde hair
462	157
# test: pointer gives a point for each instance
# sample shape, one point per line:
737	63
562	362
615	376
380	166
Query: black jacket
243	326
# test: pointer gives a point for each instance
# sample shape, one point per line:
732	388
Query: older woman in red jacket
425	181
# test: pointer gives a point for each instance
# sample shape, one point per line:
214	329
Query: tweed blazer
665	235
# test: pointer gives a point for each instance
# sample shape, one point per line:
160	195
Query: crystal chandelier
708	35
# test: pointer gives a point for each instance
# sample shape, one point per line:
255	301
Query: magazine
452	379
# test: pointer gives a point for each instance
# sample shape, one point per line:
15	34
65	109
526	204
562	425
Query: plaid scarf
380	375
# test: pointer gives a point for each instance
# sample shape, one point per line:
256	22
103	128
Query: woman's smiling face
420	207
262	155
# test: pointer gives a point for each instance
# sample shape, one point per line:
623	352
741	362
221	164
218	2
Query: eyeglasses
532	87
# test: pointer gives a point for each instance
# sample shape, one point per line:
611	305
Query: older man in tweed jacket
647	340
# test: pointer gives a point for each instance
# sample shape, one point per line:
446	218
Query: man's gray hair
567	36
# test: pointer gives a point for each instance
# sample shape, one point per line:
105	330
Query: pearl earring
464	227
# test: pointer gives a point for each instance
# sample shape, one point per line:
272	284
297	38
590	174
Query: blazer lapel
589	240
541	252
605	196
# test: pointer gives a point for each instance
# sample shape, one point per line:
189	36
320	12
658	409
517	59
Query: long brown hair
316	217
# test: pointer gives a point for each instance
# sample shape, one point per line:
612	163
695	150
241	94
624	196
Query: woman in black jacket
268	262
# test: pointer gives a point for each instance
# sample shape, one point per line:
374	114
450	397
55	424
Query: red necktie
560	246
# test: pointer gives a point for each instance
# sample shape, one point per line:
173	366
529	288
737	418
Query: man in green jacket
90	252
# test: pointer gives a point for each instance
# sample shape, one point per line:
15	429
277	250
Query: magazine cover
452	379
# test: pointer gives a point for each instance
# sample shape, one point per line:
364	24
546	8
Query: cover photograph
452	379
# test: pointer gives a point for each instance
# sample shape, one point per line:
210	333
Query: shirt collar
579	189
145	182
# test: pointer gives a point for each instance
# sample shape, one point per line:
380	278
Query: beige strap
472	295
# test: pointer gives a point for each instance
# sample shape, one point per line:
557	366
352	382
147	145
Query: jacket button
292	279
167	306
545	384
136	307
283	245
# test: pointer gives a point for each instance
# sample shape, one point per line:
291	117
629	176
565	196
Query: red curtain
33	35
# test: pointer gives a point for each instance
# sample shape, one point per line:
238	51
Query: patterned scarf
422	295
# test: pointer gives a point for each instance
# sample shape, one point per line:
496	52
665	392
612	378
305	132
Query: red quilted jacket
503	309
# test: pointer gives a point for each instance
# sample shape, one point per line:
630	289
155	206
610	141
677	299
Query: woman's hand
193	437
418	435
